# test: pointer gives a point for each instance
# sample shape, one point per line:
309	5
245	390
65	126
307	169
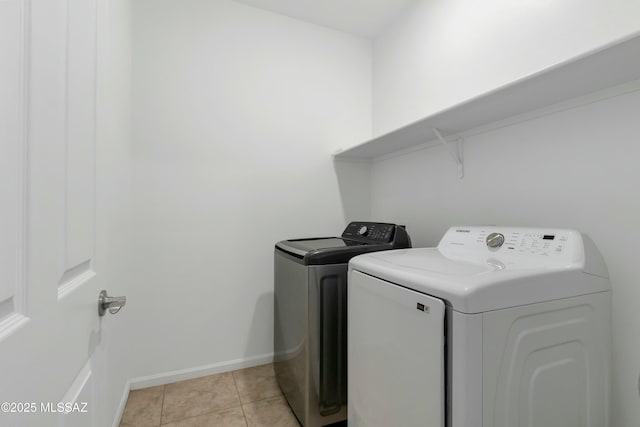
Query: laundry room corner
354	183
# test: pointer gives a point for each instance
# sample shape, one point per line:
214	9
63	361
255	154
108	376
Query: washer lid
358	238
328	250
527	268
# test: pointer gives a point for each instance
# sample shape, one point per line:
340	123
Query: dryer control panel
517	242
536	242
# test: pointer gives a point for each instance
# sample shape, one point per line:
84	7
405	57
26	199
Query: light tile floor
245	398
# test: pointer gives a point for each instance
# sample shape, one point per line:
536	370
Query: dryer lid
532	265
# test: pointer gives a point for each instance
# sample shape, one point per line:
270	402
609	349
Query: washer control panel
511	240
370	231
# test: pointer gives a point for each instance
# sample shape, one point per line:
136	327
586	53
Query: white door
50	332
396	355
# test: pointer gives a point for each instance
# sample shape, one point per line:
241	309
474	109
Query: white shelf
603	68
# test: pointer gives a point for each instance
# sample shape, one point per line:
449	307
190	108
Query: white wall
444	52
575	169
236	112
114	177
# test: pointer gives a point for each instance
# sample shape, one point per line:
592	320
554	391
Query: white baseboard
187	374
199	371
123	403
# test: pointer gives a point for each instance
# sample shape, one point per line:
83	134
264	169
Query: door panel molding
81	393
74	278
14	105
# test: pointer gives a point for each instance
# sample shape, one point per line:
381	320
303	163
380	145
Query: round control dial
363	230
495	240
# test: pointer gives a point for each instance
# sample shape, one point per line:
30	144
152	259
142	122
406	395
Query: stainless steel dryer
310	319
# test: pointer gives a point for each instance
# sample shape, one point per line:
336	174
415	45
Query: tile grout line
164	392
263	399
203	414
246	421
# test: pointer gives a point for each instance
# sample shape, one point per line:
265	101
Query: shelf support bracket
454	147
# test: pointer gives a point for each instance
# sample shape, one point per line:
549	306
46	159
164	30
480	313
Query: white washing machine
496	327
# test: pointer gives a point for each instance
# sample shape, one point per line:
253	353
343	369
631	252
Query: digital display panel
548	237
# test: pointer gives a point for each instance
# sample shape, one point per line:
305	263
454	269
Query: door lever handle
113	304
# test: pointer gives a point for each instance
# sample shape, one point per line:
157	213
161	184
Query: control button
363	230
495	240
